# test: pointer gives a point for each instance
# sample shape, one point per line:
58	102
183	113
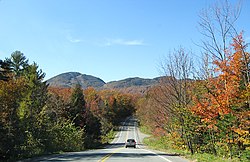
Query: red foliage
64	93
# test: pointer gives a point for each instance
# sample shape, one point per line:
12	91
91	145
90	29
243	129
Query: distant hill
129	85
72	78
129	82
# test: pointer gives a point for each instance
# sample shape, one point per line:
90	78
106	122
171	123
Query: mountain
72	78
129	85
131	82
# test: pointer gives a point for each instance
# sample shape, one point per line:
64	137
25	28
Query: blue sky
109	39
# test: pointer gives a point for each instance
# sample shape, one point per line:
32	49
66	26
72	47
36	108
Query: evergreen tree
18	63
36	94
77	106
33	100
4	70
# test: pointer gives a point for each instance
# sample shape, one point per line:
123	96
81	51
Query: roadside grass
108	138
145	130
164	145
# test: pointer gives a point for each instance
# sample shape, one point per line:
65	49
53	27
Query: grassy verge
109	137
165	146
162	144
145	130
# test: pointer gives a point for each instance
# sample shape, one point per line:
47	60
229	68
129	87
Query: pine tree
18	63
77	106
4	70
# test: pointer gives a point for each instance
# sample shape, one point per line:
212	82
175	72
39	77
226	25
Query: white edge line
118	134
158	155
149	150
136	135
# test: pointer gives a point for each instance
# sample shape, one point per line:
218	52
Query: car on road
130	143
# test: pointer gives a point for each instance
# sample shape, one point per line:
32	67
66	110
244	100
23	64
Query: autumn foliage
36	119
216	120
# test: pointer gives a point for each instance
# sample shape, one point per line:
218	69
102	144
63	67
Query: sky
109	39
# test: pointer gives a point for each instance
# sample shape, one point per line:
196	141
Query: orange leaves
10	95
64	93
159	132
223	92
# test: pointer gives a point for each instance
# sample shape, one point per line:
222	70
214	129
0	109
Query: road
116	152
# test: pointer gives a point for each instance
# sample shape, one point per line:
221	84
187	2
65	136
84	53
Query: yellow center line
109	155
115	151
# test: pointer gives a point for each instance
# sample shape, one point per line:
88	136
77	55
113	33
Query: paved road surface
116	152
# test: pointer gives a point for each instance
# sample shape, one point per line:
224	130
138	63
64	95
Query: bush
65	137
108	137
31	147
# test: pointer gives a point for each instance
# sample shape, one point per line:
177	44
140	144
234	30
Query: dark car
130	143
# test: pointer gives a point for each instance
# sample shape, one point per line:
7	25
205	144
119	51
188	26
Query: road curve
116	152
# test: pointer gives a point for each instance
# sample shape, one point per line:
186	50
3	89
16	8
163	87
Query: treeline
36	119
209	113
207	109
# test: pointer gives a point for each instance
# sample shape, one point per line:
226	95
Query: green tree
28	104
36	94
77	106
33	100
5	70
18	63
10	96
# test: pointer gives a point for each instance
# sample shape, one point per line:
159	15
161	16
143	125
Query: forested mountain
133	85
129	82
70	79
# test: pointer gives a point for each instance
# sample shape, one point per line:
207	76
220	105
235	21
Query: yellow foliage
243	136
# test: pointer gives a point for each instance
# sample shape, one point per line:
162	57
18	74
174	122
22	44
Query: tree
10	96
18	63
225	74
5	70
176	97
224	102
77	106
217	25
36	94
24	105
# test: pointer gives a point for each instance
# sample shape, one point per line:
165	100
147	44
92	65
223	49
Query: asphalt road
116	152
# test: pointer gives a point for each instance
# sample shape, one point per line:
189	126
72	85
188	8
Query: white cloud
70	38
74	40
110	42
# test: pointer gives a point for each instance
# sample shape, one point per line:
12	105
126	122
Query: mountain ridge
69	79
